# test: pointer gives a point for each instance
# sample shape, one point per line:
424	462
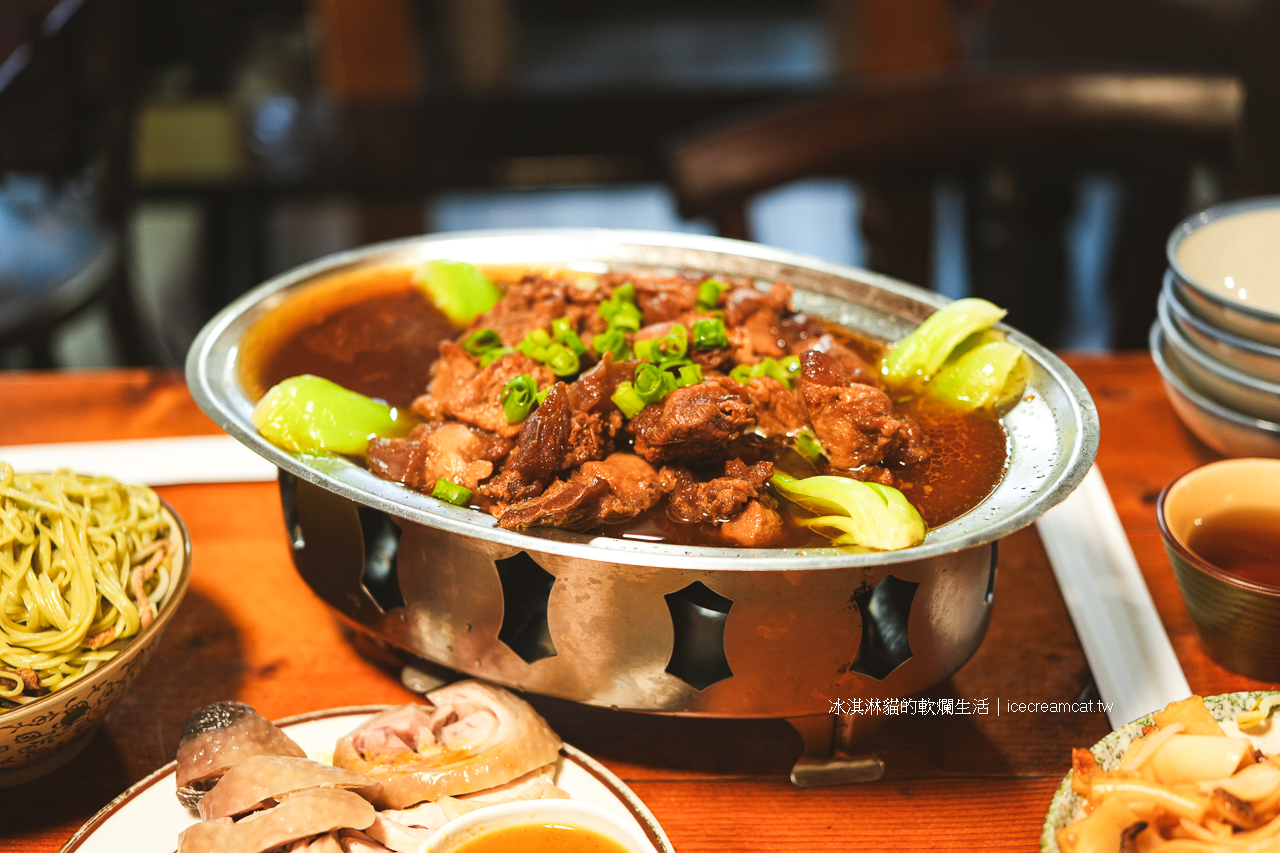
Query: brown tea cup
1236	610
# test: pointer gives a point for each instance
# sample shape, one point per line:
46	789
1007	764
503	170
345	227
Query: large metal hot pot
646	626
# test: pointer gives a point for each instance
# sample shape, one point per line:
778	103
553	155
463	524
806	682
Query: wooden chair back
1017	140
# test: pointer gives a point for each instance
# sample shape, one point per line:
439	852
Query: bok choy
458	289
308	414
854	513
956	356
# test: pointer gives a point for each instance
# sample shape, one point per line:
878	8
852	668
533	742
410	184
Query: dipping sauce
1238	258
1244	543
541	838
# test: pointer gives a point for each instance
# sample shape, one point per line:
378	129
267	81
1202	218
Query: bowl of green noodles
91	573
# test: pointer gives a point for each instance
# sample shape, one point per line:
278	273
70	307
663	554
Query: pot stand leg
831	755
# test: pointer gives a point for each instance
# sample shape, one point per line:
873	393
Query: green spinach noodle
85	564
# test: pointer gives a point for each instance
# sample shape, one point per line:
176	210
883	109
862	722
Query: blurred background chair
227	140
1016	142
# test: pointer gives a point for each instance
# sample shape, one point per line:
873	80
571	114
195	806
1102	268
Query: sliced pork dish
395	780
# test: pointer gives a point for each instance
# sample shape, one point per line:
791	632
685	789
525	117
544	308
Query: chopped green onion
690	374
807	445
536	345
613	342
308	414
791	364
652	383
620	308
671	346
626	317
865	514
518	397
451	492
627	400
771	368
561	360
459	290
709	333
542	395
488	357
709	294
563	332
481	341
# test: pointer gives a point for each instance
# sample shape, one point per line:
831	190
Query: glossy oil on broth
1244	543
541	838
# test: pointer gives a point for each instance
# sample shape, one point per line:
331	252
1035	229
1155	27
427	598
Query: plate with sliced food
369	779
1203	774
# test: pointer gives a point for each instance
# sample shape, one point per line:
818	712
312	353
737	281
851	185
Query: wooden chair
1017	140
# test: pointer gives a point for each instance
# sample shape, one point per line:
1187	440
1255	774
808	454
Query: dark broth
381	345
1244	543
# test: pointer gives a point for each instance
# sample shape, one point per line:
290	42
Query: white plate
148	817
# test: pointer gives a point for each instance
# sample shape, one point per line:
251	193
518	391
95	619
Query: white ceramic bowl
1228	432
572	813
40	737
1221	383
1257	360
1064	808
1210	302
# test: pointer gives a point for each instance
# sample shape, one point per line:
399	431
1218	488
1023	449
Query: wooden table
251	630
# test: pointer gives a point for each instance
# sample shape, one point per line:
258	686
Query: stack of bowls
1217	339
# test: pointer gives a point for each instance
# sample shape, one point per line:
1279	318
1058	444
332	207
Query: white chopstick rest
1127	648
149	461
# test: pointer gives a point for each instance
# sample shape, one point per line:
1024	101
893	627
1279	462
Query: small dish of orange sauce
542	826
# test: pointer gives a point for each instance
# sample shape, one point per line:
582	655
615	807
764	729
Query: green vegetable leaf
991	375
919	355
864	514
308	414
459	290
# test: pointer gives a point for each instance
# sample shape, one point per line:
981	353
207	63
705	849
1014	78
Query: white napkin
150	461
1127	648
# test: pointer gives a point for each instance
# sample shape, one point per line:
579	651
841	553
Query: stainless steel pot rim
213	381
1156	338
1198	220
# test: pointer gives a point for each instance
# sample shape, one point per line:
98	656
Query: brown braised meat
754	321
477	400
532	304
758	525
778	410
693	425
855	366
667	298
436	449
854	422
616	489
716	500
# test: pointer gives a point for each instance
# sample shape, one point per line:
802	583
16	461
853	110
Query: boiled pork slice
256	780
310	813
218	736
